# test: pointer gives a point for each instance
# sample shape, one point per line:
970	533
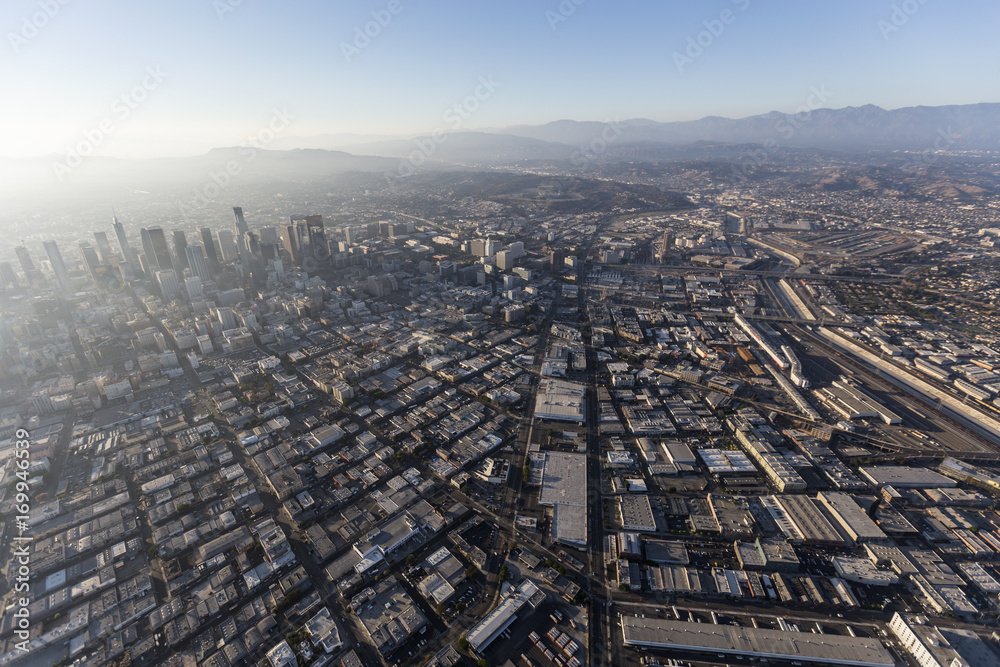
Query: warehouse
802	647
559	400
905	477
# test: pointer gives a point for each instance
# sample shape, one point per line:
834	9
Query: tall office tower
196	260
58	266
490	248
241	244
147	251
193	287
120	234
144	266
7	275
227	245
302	237
352	234
290	241
270	243
154	242
128	252
91	261
27	265
170	287
668	240
241	223
505	260
516	248
317	237
226	318
104	248
477	248
210	253
180	244
31	274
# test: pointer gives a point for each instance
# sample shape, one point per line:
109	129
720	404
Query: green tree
463	643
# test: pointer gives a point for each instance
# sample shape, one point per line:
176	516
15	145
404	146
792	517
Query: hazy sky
201	73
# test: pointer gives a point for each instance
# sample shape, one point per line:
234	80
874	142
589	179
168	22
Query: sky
140	78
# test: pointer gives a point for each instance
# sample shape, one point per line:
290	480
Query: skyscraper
7	275
58	266
196	261
170	288
241	223
27	265
227	245
154	243
103	247
242	246
91	261
180	244
210	254
290	241
128	252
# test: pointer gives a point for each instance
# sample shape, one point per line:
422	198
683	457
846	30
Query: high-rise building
516	248
170	287
302	238
210	254
180	245
241	244
193	287
490	248
290	240
505	260
27	265
91	261
478	248
7	275
311	237
104	248
128	252
58	266
227	245
154	243
196	261
241	223
226	318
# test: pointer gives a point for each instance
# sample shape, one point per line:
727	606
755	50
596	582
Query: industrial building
730	640
527	594
905	477
636	513
559	400
852	520
941	647
564	488
800	520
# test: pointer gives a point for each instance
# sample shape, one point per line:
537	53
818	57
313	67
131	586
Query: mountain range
955	127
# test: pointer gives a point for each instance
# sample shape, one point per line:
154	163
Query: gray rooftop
727	639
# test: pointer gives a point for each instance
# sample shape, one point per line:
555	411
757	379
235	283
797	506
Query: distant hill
971	126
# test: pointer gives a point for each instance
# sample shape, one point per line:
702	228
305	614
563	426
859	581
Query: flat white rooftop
732	640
